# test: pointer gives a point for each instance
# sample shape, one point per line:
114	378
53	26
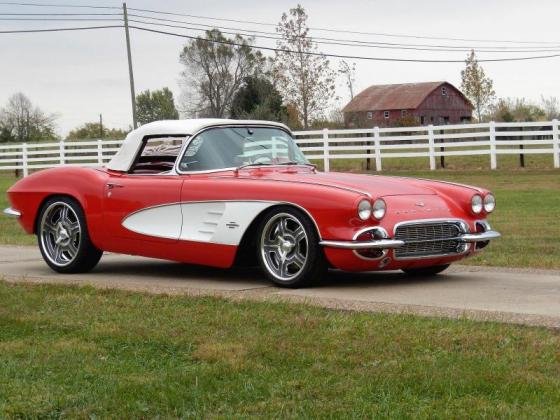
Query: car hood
376	186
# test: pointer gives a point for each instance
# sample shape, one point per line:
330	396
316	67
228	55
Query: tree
476	85
516	110
258	99
550	107
156	105
215	68
92	130
348	72
21	121
304	75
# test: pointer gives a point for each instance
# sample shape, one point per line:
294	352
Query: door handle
112	185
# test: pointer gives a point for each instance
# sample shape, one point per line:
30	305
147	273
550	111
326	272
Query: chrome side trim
480	237
10	212
271	202
380	244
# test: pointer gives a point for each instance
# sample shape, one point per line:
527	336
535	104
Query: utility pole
100	126
130	74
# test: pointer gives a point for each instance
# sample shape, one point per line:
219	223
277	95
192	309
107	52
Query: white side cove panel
219	222
162	221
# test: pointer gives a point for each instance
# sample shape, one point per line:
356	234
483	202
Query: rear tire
63	237
426	271
288	248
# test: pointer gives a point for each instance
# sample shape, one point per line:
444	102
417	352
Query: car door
143	207
144	204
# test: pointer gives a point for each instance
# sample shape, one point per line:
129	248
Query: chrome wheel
60	233
284	246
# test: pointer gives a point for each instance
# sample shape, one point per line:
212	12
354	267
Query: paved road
511	295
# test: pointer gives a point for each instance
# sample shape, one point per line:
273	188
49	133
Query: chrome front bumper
10	212
393	243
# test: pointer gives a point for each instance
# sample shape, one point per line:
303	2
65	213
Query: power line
61	14
58	19
351	57
344	30
14	3
83	28
343	42
381	34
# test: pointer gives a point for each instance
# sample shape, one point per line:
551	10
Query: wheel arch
246	250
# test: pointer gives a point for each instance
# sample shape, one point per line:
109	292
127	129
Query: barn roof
398	96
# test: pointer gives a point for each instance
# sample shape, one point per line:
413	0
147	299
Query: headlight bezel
364	209
477	204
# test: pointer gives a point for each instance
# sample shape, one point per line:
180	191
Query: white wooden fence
377	144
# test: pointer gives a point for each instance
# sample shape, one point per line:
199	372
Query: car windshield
233	147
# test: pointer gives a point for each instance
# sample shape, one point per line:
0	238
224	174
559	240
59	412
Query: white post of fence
377	145
24	159
100	152
493	162
431	148
556	142
61	146
326	163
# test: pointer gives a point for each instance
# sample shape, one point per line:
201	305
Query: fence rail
374	144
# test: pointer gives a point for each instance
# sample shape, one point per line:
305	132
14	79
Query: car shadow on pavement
343	279
145	268
169	269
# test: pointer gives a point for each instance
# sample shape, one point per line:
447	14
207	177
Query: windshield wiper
247	165
292	162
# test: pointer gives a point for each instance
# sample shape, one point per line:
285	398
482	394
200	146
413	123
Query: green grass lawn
527	214
86	353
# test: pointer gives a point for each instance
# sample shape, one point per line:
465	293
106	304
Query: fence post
100	152
326	163
493	162
377	145
61	146
24	159
556	142
431	148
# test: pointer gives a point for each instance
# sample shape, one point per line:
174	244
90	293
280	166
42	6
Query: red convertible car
221	192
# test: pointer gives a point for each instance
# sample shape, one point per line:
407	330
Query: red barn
403	104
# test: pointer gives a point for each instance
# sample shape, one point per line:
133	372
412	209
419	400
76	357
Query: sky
79	75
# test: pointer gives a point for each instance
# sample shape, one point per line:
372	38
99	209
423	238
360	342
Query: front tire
426	271
288	248
63	237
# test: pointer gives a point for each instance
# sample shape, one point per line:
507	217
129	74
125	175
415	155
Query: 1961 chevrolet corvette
221	192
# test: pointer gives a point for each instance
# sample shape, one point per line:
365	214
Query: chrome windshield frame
207	171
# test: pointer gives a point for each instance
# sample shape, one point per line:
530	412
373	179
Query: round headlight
476	204
489	203
379	208
364	209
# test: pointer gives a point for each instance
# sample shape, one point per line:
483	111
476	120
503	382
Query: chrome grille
429	239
